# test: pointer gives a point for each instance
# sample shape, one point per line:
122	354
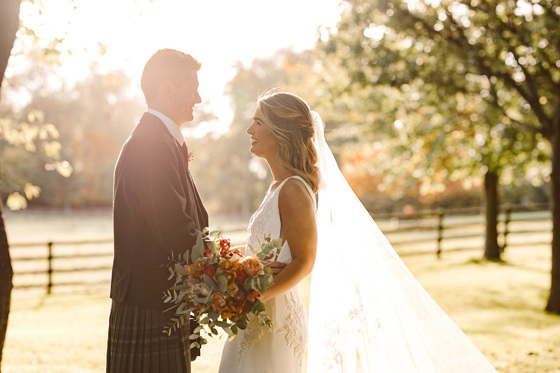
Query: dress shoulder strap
309	190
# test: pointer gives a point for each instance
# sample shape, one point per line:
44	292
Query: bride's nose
250	129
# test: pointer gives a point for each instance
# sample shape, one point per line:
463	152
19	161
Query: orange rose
252	266
241	295
219	301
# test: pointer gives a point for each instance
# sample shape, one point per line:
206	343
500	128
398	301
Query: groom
157	211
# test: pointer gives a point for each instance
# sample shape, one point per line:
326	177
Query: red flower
240	276
253	295
246	307
210	271
225	243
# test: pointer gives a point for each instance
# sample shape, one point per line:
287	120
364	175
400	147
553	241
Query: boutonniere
190	157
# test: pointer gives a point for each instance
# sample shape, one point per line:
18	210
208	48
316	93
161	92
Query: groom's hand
276	267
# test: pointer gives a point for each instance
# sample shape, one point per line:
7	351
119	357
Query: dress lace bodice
282	348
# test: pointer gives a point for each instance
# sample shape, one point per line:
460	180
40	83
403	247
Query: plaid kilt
137	344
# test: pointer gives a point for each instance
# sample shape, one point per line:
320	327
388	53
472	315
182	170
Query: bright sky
216	32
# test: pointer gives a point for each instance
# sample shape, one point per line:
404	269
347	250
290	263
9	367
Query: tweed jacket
157	211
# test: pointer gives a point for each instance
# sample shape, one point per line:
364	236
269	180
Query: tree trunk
9	23
491	247
553	304
6	274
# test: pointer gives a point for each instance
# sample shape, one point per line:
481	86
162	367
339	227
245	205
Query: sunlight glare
105	35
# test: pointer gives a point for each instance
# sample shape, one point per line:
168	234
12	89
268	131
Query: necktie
185	152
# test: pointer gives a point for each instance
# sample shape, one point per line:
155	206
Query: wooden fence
439	231
88	263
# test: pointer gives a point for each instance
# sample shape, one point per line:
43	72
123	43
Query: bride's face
263	143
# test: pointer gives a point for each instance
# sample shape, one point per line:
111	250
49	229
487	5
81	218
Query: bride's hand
276	267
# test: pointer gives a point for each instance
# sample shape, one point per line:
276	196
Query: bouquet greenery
219	286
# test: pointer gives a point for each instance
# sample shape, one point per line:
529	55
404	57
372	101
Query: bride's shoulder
294	192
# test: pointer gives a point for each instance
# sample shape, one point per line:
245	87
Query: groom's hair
166	65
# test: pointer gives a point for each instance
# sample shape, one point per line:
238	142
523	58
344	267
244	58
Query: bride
367	312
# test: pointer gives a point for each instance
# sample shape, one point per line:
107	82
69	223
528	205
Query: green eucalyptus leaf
180	270
241	323
222	283
198	249
199	300
223	324
209	282
228	331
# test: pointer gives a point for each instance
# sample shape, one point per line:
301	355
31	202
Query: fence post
506	226
49	268
439	232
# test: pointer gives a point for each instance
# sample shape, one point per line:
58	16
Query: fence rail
427	232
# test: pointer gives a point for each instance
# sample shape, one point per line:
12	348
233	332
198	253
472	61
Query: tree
93	118
504	52
9	23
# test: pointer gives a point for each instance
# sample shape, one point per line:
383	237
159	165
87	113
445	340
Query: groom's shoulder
149	125
150	131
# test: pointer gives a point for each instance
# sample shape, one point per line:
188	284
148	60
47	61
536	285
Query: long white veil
367	312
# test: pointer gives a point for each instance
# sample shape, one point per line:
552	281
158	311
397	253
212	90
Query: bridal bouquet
219	286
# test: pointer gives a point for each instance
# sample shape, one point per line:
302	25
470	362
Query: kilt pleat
137	344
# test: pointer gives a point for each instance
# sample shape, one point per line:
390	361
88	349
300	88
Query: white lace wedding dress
259	349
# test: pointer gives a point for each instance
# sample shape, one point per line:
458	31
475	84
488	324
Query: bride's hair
289	118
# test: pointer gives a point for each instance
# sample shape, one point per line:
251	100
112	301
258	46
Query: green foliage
24	136
93	119
455	87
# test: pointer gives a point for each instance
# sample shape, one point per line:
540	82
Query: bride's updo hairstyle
289	118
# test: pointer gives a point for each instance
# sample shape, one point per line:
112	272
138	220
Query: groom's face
185	97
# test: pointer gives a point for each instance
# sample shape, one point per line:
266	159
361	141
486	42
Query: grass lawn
499	306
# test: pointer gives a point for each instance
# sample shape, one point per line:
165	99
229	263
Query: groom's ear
164	89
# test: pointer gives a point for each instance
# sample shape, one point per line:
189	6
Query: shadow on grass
523	266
